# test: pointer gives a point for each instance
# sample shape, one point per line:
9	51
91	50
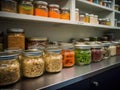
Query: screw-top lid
41	2
82	46
54	5
15	30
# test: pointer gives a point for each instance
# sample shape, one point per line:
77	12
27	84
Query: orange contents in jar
40	12
65	14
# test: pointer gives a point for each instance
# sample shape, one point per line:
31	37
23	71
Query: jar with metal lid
91	18
16	38
65	14
9	68
96	53
77	12
87	18
9	5
82	54
105	50
32	64
41	8
117	7
54	11
82	18
112	49
1	41
117	48
26	7
36	42
53	59
95	19
68	55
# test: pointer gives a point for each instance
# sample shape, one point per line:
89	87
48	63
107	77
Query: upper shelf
8	15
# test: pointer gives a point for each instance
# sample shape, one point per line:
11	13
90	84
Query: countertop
53	81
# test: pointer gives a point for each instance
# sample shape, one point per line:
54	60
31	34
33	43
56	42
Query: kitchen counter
53	81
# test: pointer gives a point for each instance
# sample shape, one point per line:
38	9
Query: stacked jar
82	54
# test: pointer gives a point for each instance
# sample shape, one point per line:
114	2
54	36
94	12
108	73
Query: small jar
100	20
117	7
82	18
105	50
32	64
95	19
9	5
108	22
1	41
112	49
65	14
92	18
96	53
26	7
54	11
87	18
96	1
16	38
68	55
105	2
77	14
82	54
100	2
9	68
53	59
41	8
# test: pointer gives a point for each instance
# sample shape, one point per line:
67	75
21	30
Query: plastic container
9	68
82	54
9	6
54	11
41	8
77	14
65	14
53	59
96	53
1	41
68	55
16	38
26	7
32	64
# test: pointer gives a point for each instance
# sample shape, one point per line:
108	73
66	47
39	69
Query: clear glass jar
96	1
95	19
82	54
108	22
9	5
105	2
92	18
82	18
117	7
109	5
26	7
96	53
41	8
112	49
53	59
16	38
54	11
65	14
9	68
105	50
100	2
32	64
1	41
77	12
68	55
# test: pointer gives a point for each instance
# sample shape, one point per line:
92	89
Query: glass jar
1	41
16	38
9	68
54	11
112	49
109	5
105	2
68	55
92	18
105	50
77	14
108	22
100	2
118	48
117	7
65	14
82	54
115	22
96	53
95	19
26	7
87	18
36	42
9	5
41	8
32	64
82	17
118	23
53	59
96	1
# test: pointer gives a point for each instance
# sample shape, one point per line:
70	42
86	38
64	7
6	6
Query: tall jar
54	11
96	53
112	49
9	5
77	12
41	8
32	64
26	7
82	54
16	38
68	55
65	14
9	68
87	18
106	50
53	59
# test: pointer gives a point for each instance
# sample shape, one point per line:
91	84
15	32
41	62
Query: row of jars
37	8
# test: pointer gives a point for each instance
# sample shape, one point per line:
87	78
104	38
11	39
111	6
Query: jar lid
82	15
65	8
86	14
41	2
117	5
8	56
53	48
14	50
96	16
82	46
54	5
76	9
37	38
67	46
96	46
32	53
105	44
17	30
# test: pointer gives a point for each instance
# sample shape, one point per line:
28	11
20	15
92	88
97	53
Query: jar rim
41	2
82	46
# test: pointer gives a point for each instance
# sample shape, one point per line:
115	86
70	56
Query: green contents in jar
82	57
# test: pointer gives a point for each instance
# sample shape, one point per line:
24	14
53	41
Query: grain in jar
65	14
96	19
41	8
9	68
54	11
32	64
77	12
16	38
26	7
53	59
9	5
